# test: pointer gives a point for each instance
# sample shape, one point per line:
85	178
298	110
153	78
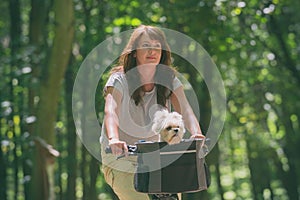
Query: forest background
254	43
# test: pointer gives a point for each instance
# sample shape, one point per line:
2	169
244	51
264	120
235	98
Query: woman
141	84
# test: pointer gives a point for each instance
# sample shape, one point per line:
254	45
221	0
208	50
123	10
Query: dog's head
170	126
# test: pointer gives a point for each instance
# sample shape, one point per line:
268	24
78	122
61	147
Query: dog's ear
158	120
178	117
160	115
156	127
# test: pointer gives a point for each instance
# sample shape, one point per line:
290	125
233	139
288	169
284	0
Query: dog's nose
176	130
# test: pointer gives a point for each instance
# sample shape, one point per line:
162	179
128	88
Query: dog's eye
168	128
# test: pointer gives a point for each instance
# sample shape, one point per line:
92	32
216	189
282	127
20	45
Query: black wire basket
178	168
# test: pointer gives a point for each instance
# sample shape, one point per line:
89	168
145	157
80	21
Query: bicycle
159	181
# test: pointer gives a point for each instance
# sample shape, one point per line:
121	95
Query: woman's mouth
151	57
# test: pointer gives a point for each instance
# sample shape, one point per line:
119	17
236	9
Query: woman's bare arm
182	106
111	121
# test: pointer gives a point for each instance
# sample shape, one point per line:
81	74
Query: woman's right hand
118	147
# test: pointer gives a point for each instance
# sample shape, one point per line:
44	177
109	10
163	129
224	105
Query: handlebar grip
131	149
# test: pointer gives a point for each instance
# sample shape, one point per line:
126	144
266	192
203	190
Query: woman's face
148	51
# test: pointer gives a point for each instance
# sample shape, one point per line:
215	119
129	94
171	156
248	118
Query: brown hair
127	61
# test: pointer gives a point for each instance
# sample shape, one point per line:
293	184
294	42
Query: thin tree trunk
213	159
71	135
83	171
3	175
288	177
94	172
60	161
15	35
258	155
37	25
49	96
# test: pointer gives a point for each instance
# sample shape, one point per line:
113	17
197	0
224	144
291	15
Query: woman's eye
146	45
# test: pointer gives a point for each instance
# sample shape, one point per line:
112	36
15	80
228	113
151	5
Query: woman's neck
147	82
148	87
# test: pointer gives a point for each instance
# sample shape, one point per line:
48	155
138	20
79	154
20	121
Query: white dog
169	126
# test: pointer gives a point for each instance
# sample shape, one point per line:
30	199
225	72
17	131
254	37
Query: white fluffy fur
169	126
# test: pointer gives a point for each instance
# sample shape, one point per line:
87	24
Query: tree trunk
94	172
258	156
37	25
15	36
288	177
49	96
71	135
3	174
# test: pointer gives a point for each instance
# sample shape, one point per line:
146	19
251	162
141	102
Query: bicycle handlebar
132	149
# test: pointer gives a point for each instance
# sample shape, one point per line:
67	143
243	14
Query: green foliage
255	45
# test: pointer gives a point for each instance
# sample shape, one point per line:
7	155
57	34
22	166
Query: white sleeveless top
135	121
